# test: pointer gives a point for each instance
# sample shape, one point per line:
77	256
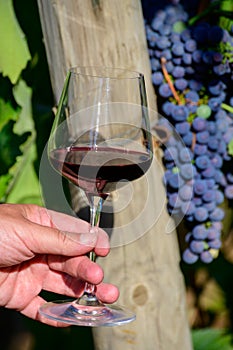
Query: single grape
199	124
217	215
200	187
181	84
229	191
206	257
164	90
186	193
204	111
215	243
201	214
200	232
202	162
189	257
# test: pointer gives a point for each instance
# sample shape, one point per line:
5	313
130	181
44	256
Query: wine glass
100	140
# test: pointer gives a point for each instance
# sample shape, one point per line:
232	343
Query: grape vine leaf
211	339
14	53
23	170
10	146
7	112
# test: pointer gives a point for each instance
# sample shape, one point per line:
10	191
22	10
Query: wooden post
111	33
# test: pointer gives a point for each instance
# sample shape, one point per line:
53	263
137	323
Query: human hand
42	249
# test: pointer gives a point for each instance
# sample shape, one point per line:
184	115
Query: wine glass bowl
100	140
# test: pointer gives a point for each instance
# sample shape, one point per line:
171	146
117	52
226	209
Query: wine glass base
72	313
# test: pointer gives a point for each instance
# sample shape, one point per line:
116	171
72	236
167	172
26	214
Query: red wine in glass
97	171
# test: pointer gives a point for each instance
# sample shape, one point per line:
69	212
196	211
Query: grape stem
169	81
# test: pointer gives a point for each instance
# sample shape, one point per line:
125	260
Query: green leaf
23	171
7	112
26	189
14	53
4	183
23	94
10	146
211	339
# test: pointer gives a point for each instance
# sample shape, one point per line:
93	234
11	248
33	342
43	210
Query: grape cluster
192	76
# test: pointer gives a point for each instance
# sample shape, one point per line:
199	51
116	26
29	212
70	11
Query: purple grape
200	187
217	161
200	150
185	155
179	113
209	196
200	232
215	34
187	58
202	162
206	257
189	257
190	45
195	85
213	143
229	191
167	108
182	128
210	206
163	42
164	90
178	72
211	127
181	84
174	200
178	49
170	153
199	124
213	233
229	177
203	137
174	181
200	33
219	197
186	193
197	247
217	214
209	172
201	214
185	35
220	178
188	139
188	208
207	57
187	171
157	78
215	243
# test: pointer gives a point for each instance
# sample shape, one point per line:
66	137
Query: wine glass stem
96	204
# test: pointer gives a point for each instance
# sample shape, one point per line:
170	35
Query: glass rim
86	71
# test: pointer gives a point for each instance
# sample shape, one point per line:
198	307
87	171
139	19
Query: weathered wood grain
111	33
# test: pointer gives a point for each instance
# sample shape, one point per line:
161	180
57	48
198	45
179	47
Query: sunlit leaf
14	53
24	187
211	339
10	147
4	183
23	95
7	112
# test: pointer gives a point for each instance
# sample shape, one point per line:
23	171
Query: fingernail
88	238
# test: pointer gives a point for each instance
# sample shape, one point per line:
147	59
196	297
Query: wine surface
98	170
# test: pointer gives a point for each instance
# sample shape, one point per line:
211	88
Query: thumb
49	240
